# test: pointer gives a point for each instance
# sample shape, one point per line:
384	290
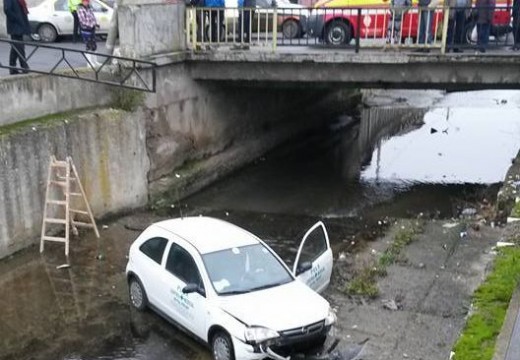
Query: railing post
445	29
358	29
275	27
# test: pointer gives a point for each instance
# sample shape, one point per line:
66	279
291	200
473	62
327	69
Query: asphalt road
44	59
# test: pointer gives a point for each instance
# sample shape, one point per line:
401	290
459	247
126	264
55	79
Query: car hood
279	308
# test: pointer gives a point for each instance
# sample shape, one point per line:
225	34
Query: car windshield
245	269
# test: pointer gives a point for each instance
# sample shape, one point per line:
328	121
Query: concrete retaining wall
109	150
31	96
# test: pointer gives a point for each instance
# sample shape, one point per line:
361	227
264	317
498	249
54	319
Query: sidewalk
508	341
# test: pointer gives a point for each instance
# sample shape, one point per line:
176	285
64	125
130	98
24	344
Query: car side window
181	264
96	7
154	248
314	247
61	5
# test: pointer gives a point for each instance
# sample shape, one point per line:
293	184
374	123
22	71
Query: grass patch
516	210
490	300
365	281
43	121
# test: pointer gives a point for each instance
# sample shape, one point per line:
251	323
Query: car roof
208	234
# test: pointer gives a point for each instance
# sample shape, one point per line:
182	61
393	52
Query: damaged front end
284	344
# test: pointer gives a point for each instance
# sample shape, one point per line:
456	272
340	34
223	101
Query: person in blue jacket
17	26
216	18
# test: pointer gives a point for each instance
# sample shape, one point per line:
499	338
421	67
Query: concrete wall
31	96
109	150
151	28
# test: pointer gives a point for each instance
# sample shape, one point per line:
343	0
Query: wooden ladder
64	178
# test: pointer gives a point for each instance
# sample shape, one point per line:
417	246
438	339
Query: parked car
337	21
52	18
230	290
290	21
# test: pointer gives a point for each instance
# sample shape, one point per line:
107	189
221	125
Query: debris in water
433	131
469	212
463	234
450	225
104	227
504	244
63	266
390	304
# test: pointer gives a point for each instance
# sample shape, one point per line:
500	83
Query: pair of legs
456	29
17	53
244	25
483	36
75	30
89	38
425	26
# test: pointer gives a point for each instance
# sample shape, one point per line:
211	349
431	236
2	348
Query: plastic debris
469	212
63	266
504	244
463	234
390	304
104	227
450	225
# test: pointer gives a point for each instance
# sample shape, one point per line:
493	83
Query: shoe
514	48
13	72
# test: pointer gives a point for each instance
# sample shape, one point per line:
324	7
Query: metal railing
84	65
417	28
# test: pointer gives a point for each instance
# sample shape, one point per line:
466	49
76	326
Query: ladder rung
82	224
54	238
55	221
57	202
64	178
75	194
59	164
59	183
83	212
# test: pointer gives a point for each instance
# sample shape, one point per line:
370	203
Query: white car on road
52	18
228	288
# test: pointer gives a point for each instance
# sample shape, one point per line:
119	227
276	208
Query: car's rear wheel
222	347
291	29
338	33
47	33
137	294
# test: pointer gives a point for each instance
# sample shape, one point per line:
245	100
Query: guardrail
417	28
87	66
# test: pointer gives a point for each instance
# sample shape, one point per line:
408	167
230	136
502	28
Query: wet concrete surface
83	312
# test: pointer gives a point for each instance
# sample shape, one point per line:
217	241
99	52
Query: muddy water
391	162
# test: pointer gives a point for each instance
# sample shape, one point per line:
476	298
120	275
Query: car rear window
154	248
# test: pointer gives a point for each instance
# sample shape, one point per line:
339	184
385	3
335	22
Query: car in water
52	19
230	290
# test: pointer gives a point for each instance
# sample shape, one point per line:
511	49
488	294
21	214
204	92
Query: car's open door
313	263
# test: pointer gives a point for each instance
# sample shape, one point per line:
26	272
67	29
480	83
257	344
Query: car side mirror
191	288
303	267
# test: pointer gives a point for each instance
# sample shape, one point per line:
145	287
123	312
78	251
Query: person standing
245	15
216	19
88	24
485	12
73	8
17	26
459	11
397	11
516	25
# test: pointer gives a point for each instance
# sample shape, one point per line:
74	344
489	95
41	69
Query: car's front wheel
338	33
222	347
291	29
47	33
137	294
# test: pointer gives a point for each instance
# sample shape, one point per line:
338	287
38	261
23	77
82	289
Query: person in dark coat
17	26
516	25
485	12
459	12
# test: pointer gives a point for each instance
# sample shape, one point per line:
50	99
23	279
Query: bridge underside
364	70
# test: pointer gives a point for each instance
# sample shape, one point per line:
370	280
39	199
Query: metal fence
421	29
84	65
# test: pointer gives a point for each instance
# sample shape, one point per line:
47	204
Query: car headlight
256	334
331	317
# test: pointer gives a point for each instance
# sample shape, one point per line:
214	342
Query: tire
291	29
338	33
222	347
47	33
137	294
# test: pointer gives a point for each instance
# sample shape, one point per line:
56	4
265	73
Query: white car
52	18
228	288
